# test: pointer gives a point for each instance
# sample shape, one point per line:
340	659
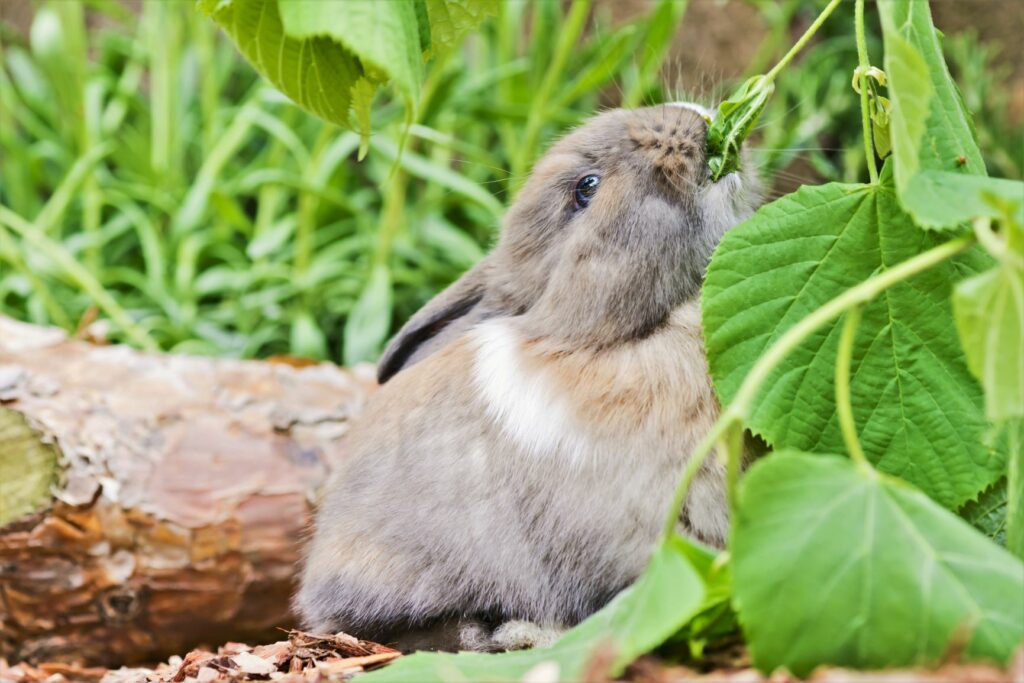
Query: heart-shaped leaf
917	407
835	564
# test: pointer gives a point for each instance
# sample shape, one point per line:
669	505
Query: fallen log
151	503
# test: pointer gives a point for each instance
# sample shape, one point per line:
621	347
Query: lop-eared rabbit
512	473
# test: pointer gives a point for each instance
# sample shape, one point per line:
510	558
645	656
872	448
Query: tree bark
150	503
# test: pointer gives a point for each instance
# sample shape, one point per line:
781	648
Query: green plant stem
738	410
163	33
733	442
1000	249
308	204
865	118
203	33
779	17
1015	490
799	44
392	212
79	274
844	407
567	38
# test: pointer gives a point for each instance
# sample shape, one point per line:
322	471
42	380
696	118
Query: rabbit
512	473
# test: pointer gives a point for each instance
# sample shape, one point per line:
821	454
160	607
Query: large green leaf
940	174
924	98
944	198
635	622
383	35
917	407
330	56
834	564
316	72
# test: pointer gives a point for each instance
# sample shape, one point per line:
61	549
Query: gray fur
439	517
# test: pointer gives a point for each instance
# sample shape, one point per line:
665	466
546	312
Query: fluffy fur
537	415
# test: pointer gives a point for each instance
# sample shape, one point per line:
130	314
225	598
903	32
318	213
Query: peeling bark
181	490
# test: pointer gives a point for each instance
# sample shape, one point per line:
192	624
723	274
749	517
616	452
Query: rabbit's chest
650	396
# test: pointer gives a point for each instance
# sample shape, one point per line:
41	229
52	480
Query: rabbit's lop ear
441	320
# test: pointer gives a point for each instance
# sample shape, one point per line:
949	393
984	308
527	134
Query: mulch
311	658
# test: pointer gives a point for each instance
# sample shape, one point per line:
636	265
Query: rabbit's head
612	231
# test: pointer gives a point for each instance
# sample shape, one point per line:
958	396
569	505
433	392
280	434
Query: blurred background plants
154	189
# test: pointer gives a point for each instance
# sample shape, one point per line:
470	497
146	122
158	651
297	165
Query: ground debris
312	658
303	658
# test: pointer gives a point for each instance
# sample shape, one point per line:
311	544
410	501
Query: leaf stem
308	204
863	65
799	44
844	407
738	411
733	442
997	247
1015	490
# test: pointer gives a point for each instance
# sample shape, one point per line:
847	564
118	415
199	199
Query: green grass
148	177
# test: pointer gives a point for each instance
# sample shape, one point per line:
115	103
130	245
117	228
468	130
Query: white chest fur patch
525	405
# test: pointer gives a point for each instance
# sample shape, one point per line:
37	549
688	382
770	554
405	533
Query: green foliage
197	210
939	169
734	122
836	564
330	56
917	408
990	318
988	513
639	619
206	213
367	326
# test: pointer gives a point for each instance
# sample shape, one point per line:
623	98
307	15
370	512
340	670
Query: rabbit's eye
585	190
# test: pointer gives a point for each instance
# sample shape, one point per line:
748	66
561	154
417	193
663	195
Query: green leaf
944	198
734	121
451	19
315	71
918	409
987	514
307	339
838	565
383	35
989	311
368	323
456	245
362	97
331	56
915	66
639	619
939	168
